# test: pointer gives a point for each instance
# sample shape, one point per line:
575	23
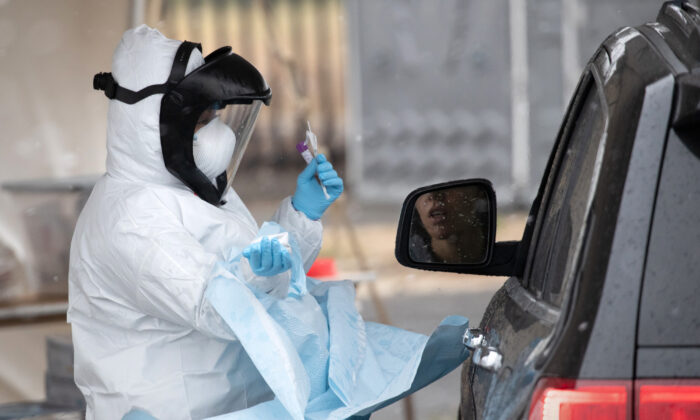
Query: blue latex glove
309	198
268	257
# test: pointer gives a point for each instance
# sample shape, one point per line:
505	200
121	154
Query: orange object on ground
323	268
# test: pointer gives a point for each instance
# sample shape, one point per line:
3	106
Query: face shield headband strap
221	181
105	81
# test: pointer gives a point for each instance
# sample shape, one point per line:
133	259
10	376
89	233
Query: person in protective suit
159	221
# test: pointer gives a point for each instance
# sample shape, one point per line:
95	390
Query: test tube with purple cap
308	149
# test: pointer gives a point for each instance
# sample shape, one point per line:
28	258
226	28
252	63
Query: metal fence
466	88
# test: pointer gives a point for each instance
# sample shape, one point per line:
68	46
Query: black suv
600	318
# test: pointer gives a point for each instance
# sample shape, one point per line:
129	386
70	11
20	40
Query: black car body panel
583	302
670	316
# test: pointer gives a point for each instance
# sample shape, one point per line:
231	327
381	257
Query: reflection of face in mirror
450	226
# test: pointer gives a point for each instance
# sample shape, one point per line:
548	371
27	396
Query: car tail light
569	399
668	399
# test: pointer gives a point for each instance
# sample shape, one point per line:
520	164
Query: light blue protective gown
318	356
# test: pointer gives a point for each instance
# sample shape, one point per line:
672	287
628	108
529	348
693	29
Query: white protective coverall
142	254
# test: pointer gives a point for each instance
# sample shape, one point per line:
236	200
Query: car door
521	321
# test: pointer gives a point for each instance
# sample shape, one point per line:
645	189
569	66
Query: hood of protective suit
144	57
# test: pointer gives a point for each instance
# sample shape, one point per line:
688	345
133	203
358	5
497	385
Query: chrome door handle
473	338
488	358
482	355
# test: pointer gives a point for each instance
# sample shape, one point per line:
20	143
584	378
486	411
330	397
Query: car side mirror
452	227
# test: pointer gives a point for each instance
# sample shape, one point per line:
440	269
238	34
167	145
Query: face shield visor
206	117
221	136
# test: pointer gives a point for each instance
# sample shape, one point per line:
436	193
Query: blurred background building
401	93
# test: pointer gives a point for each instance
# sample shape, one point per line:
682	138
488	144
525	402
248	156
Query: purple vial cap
301	147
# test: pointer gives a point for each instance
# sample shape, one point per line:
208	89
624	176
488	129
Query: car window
669	313
565	215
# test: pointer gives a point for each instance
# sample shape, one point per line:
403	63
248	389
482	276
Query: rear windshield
670	311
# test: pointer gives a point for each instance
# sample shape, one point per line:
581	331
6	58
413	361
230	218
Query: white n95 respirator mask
213	148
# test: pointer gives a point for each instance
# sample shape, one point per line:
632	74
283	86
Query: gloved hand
309	198
268	257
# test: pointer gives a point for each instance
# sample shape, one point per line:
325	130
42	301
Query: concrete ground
413	299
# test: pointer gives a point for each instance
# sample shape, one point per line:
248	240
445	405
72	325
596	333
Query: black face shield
226	89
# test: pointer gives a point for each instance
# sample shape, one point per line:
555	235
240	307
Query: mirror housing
492	258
